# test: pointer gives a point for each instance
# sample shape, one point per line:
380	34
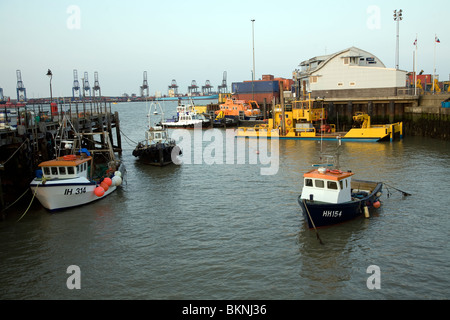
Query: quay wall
429	118
421	115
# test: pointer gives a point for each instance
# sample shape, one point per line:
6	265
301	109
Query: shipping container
267	77
258	97
255	87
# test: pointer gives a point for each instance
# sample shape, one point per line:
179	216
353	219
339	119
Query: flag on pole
437	40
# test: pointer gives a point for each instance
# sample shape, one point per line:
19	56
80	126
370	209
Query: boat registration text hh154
332	214
69	192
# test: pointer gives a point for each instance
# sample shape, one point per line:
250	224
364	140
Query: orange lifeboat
232	108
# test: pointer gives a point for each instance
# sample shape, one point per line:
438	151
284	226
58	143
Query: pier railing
30	115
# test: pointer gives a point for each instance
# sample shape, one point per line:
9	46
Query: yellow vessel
306	119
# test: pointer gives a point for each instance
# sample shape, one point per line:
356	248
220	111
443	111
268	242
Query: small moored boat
81	175
187	117
331	196
67	181
157	149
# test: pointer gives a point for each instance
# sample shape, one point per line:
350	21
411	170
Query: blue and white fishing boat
330	196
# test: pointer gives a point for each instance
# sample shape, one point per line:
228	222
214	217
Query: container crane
86	86
193	87
206	89
223	88
173	86
144	86
20	88
76	85
96	85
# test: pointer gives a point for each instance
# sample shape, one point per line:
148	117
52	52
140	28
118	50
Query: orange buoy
99	191
377	204
104	186
108	181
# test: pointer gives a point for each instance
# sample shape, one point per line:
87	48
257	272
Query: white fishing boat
187	117
80	176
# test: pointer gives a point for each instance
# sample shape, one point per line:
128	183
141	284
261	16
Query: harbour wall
421	115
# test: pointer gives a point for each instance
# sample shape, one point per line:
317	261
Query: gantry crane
86	86
173	86
20	88
96	85
193	87
223	88
144	86
76	85
206	89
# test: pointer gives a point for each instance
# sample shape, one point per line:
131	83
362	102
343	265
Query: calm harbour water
224	231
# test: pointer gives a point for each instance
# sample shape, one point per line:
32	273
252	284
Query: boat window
47	171
332	185
62	170
341	184
70	170
54	171
78	169
319	183
85	166
308	182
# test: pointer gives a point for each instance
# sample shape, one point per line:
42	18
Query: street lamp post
397	17
253	43
50	75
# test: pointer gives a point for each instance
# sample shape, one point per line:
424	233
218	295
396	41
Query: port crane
144	86
173	86
20	88
86	86
96	85
223	87
193	87
206	89
76	85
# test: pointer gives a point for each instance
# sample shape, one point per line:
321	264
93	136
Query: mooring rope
310	218
127	137
35	191
15	152
15	201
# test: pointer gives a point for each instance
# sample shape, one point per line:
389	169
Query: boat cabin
66	167
324	185
156	135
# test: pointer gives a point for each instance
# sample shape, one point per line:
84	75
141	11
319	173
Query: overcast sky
199	40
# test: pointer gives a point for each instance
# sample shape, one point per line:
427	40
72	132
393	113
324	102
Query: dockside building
350	73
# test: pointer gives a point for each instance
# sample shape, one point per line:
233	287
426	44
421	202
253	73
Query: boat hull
187	125
319	214
63	194
156	155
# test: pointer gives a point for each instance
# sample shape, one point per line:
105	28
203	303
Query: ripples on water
226	232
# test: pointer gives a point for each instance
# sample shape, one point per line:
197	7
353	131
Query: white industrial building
349	73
